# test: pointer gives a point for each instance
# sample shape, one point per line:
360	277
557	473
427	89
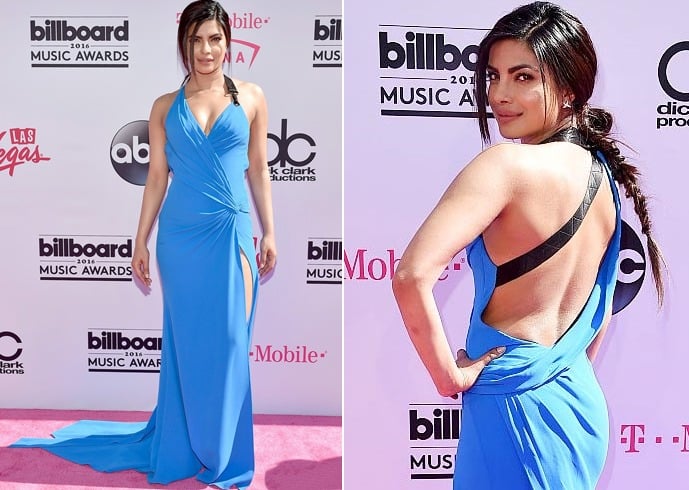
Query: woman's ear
567	100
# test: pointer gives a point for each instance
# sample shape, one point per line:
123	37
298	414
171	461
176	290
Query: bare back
540	305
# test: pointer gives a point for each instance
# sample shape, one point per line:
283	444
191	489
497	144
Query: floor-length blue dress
202	424
536	419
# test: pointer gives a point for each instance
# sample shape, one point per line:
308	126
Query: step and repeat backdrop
79	79
409	127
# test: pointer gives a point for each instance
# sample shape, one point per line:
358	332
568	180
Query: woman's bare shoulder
504	158
166	100
522	159
248	88
162	104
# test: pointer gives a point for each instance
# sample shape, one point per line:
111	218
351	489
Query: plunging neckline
198	124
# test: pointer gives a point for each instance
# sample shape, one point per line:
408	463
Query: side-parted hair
191	19
564	49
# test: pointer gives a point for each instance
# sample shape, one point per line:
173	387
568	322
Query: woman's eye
523	77
490	76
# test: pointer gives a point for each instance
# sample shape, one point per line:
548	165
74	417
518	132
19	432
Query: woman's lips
506	117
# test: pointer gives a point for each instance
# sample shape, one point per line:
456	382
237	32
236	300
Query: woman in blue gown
208	137
541	224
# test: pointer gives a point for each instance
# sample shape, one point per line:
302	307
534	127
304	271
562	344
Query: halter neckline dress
536	418
202	424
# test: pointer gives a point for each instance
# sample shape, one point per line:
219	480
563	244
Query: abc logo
285	146
631	269
130	152
3	347
662	71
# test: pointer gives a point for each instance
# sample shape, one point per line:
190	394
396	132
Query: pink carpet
292	452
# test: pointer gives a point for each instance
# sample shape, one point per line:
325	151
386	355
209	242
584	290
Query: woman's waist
185	215
225	156
205	198
529	367
543	327
525	363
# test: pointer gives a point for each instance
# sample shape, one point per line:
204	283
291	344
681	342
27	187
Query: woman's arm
258	177
476	197
156	185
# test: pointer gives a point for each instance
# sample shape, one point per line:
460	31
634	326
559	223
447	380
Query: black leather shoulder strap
536	256
231	89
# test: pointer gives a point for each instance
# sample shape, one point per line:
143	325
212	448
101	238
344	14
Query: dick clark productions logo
10	351
672	113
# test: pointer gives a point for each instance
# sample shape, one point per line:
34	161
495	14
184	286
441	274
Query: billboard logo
324	261
85	257
331	31
406	55
79	42
425	51
433	434
444	425
327	41
123	351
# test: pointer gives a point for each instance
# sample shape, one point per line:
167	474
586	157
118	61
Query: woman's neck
202	82
562	126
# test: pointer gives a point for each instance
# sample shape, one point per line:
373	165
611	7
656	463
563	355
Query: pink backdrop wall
398	161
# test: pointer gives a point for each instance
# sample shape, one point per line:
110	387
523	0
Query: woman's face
524	107
209	47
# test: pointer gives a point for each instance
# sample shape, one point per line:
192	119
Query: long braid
595	125
564	49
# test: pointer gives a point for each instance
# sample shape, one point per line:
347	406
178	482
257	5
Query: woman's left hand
267	256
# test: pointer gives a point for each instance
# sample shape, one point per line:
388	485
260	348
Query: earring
566	104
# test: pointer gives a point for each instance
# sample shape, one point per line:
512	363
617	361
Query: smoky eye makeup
524	76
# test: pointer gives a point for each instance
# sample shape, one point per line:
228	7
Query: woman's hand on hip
469	370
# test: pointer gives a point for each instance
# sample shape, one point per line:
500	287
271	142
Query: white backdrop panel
54	332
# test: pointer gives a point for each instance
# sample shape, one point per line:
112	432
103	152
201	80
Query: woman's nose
499	92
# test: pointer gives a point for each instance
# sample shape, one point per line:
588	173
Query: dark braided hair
563	46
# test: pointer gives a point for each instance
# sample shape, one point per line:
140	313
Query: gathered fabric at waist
190	203
524	367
